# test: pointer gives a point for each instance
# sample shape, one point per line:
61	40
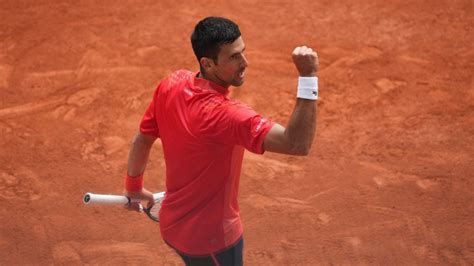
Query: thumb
148	196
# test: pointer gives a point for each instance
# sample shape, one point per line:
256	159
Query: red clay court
389	179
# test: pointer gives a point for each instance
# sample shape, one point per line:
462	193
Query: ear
206	63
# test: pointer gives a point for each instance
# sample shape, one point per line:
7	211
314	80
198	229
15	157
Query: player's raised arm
297	137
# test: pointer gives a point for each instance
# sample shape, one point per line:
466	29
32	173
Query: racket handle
91	198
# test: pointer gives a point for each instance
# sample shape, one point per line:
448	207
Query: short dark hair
210	33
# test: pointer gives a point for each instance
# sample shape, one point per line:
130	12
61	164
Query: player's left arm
139	153
137	160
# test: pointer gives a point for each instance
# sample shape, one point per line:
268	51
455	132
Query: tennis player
204	134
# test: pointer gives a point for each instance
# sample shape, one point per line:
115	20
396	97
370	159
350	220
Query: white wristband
308	88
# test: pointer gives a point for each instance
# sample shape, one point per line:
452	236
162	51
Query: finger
296	50
134	206
148	196
150	204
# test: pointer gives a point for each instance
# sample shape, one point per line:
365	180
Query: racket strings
155	209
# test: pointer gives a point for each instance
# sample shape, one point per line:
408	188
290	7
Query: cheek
229	70
234	68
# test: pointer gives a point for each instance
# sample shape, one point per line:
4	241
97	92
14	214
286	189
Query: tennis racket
103	199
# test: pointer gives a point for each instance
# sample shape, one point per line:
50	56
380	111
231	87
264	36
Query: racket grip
90	198
102	199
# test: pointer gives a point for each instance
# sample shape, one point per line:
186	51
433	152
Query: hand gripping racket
102	199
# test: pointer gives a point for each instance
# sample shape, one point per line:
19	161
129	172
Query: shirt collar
207	84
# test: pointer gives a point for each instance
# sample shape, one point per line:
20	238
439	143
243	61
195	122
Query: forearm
139	153
297	137
301	127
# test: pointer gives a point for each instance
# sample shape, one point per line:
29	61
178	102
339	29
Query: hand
143	195
306	61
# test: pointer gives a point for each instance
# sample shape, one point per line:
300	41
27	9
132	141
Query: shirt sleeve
243	126
149	125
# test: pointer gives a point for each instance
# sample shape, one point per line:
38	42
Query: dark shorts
231	256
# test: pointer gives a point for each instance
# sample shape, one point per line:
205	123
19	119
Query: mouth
241	74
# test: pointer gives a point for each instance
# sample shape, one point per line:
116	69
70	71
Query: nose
245	62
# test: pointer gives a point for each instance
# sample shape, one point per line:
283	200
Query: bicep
144	140
276	140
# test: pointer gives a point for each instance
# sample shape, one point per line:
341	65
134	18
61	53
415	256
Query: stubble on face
231	65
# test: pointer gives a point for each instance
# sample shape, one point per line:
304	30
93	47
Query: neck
213	78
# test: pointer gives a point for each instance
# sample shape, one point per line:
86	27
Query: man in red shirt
204	134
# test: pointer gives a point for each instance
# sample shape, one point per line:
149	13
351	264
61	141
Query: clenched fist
306	61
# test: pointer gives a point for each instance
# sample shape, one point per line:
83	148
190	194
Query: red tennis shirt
203	134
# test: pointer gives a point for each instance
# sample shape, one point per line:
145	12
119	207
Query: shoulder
179	76
174	80
220	110
238	109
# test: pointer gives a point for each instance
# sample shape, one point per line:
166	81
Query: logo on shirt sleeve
260	124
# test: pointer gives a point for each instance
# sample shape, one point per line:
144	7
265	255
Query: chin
237	83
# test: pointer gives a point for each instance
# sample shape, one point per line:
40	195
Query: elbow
301	150
136	140
304	152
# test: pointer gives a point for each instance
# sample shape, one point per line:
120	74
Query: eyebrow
238	52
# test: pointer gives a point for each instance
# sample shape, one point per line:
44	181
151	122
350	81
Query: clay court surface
389	179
